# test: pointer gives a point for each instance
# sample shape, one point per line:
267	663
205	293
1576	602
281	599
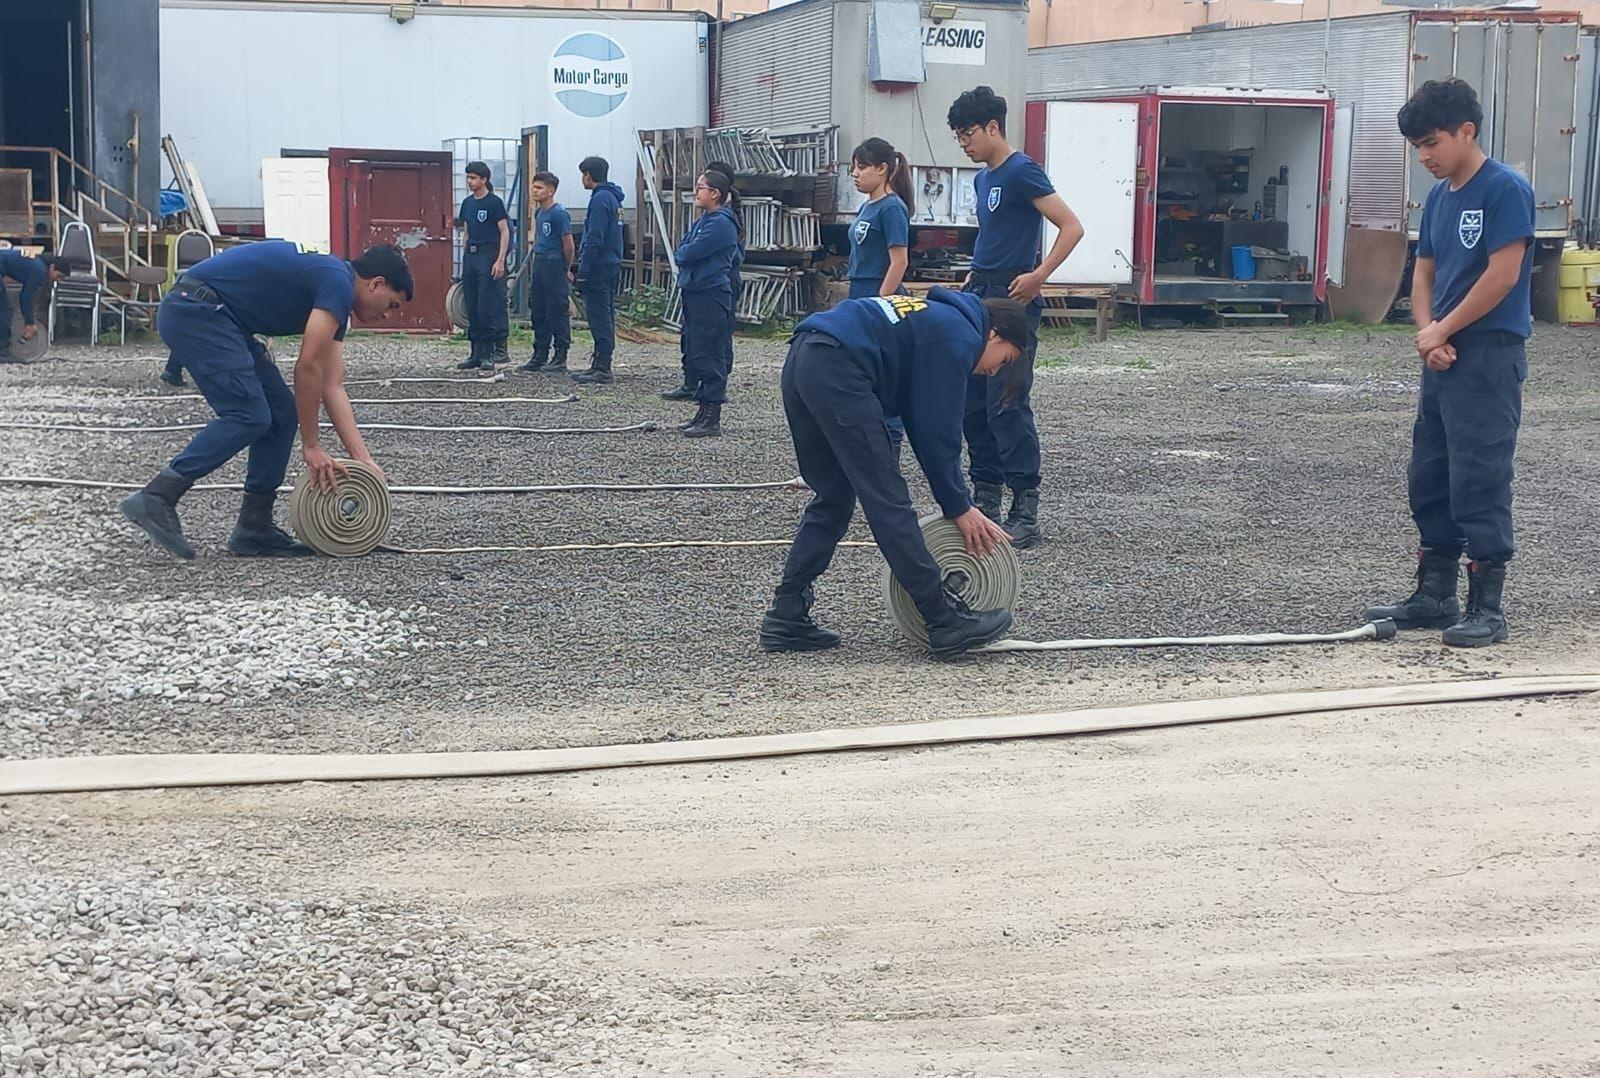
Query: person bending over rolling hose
705	258
847	369
31	273
269	288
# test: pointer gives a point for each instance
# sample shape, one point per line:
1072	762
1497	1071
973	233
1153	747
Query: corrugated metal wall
1369	65
776	70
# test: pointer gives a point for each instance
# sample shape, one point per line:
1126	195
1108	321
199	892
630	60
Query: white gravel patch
67	653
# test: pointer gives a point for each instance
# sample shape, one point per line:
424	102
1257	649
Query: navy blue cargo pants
550	306
1003	444
1462	446
487	319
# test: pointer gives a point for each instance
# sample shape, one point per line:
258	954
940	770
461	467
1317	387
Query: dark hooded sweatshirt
918	354
602	229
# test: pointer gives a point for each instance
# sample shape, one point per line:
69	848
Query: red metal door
400	197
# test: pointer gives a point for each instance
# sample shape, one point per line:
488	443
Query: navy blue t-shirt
1461	229
482	216
1008	221
271	287
879	226
549	228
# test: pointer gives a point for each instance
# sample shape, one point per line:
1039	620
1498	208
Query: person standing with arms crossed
30	273
550	292
1471	299
1013	197
208	320
600	266
484	247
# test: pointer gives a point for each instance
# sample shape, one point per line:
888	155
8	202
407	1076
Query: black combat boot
558	364
536	362
256	536
499	354
709	425
987	497
787	625
683	392
955	628
1433	605
475	360
155	509
173	378
1485	622
7	357
699	414
599	372
1022	523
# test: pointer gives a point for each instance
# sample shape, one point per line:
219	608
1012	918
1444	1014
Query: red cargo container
401	197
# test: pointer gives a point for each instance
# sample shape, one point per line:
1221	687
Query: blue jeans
1462	445
599	290
255	409
1003	443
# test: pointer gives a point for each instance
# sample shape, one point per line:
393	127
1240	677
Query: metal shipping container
811	63
1522	65
243	80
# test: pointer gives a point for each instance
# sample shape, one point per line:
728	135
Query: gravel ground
1195	482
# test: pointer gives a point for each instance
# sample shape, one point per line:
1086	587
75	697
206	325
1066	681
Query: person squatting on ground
685	389
880	237
30	273
484	248
847	369
600	266
1013	194
550	293
208	319
705	259
1471	300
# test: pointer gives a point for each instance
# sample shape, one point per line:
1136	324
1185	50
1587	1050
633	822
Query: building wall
1063	22
723	9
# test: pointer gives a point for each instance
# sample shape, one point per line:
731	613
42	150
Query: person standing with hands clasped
550	294
483	269
706	258
1013	197
849	367
1471	299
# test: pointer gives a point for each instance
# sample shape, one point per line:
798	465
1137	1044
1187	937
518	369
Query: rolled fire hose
348	523
989	583
993	583
455	306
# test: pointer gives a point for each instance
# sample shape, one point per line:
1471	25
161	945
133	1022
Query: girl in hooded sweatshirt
705	261
684	390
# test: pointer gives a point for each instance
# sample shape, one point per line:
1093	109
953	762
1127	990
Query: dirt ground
1378	893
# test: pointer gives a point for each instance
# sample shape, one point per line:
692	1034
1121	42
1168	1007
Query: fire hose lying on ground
354	520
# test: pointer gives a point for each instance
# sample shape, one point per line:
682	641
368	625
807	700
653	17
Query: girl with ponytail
881	234
705	259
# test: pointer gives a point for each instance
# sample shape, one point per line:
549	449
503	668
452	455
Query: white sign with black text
954	43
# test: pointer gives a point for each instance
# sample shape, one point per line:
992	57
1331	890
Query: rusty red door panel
400	197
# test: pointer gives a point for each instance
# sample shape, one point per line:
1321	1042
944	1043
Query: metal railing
95	203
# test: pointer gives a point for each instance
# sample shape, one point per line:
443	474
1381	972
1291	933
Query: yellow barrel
1579	283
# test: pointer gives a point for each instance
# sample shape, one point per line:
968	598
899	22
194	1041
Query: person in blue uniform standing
1471	300
207	320
484	247
685	390
846	370
705	260
600	266
550	292
880	237
31	274
1014	197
